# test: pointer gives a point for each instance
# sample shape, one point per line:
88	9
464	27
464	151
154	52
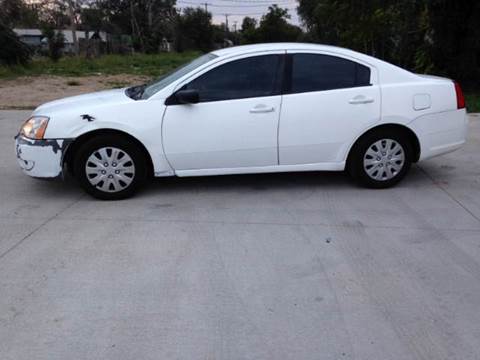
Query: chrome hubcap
384	159
110	169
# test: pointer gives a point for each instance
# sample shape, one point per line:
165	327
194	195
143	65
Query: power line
224	6
243	14
267	2
260	3
250	14
232	14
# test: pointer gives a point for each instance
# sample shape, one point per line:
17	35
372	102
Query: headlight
34	128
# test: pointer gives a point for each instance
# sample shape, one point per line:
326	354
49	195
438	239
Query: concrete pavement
282	266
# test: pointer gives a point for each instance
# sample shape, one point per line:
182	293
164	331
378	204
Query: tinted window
167	79
251	77
322	72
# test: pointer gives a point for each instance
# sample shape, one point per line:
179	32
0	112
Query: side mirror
187	97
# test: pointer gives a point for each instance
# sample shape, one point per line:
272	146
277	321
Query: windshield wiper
136	92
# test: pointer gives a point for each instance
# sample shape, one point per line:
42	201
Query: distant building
31	37
34	37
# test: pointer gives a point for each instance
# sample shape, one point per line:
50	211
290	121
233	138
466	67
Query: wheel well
396	128
79	141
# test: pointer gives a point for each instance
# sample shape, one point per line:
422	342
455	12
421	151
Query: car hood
83	102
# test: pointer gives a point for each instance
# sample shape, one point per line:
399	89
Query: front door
235	122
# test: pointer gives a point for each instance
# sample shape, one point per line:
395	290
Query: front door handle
360	99
261	108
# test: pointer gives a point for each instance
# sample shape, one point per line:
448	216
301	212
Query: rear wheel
110	167
380	159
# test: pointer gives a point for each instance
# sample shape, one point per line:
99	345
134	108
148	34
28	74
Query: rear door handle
360	99
261	108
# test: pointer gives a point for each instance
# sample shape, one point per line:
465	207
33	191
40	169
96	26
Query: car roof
389	72
275	46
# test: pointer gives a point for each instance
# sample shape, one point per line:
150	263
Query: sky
238	9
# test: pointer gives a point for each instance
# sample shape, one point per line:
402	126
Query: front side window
313	72
176	74
245	78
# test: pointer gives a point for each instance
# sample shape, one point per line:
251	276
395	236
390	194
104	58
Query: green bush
56	43
137	64
473	102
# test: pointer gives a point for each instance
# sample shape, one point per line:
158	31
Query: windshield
176	74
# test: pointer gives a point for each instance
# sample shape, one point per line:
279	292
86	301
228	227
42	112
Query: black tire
138	178
355	163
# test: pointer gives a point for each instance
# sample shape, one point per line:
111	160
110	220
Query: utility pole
206	6
226	22
235	26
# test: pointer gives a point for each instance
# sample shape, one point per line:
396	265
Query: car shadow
328	181
253	182
324	180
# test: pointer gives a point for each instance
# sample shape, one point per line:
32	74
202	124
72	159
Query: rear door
327	101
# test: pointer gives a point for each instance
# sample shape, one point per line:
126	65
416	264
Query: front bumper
41	158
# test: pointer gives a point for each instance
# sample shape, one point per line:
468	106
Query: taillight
460	97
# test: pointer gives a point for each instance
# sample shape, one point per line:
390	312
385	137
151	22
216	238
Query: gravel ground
29	92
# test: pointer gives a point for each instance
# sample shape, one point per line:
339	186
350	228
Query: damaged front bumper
41	158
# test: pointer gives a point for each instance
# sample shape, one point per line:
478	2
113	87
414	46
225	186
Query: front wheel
380	159
110	167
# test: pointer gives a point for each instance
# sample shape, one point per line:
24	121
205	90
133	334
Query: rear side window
311	72
245	78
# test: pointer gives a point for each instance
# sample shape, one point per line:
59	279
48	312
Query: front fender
139	119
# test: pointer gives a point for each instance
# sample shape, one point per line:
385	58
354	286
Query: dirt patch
29	92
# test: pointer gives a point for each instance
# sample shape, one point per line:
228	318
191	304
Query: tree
248	30
115	15
422	35
330	22
455	39
147	21
62	14
194	30
73	10
151	21
56	42
92	19
12	50
16	13
53	13
388	29
275	28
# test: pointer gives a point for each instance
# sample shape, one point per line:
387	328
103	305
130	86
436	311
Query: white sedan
250	109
